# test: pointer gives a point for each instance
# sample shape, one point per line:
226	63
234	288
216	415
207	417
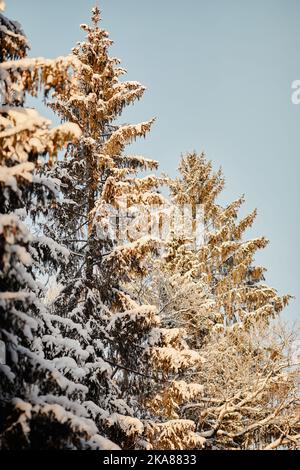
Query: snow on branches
13	42
113	337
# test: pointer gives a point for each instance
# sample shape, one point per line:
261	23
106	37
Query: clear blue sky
219	76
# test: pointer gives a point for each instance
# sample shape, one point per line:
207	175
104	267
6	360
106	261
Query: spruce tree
34	389
134	369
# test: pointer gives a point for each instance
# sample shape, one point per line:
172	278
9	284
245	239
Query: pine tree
133	369
33	389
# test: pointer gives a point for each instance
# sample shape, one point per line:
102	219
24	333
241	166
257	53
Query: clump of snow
53	291
95	410
100	365
101	443
5	370
23	120
128	424
55	248
67	344
9	175
143	313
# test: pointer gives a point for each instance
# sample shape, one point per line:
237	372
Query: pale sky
219	75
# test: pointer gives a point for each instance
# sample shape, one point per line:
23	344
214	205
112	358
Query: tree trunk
90	206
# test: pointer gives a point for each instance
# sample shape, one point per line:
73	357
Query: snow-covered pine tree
224	261
33	390
134	367
250	378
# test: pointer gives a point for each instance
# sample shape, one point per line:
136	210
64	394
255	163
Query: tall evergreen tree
134	368
33	389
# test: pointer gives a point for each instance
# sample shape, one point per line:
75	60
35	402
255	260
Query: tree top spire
96	14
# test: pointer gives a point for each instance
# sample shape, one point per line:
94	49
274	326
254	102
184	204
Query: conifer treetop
97	96
226	259
13	42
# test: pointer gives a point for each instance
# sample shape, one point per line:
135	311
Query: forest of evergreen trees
128	319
